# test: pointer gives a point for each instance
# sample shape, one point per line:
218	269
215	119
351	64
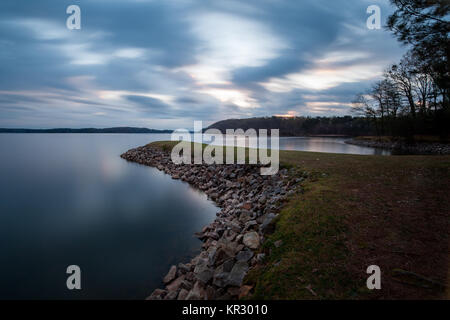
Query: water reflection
314	144
70	199
331	145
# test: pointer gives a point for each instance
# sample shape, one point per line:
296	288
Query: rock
187	285
171	295
183	294
245	216
157	294
170	275
233	291
221	279
213	235
212	255
278	243
226	296
250	225
175	284
244	291
210	293
262	199
237	274
251	240
183	268
244	255
267	226
247	206
202	271
228	265
222	255
260	257
190	276
230	235
198	292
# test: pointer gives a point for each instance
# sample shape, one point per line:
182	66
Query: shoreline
403	148
248	202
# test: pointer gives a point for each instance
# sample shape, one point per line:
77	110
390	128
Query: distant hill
301	126
86	130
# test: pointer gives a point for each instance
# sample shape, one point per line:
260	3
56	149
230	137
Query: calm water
70	199
332	145
319	144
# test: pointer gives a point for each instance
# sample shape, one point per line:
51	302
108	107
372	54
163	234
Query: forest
413	96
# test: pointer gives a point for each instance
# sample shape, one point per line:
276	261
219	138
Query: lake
69	199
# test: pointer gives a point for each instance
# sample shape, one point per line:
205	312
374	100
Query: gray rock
260	257
183	294
171	295
175	284
183	268
251	240
237	274
267	226
210	293
244	255
203	272
157	294
198	292
222	255
221	279
187	285
228	265
170	275
245	216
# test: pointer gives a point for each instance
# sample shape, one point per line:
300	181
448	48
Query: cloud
163	64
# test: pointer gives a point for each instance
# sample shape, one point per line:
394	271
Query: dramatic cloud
163	64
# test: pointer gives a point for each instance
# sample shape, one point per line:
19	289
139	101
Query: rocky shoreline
249	203
400	147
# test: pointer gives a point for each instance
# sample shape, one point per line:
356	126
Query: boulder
278	243
175	284
157	294
267	226
237	274
203	272
171	295
244	255
233	291
183	294
251	240
245	216
244	291
170	275
247	206
198	292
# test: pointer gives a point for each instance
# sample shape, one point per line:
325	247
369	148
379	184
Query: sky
164	64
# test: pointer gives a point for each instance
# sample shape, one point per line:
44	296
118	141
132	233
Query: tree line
413	96
301	126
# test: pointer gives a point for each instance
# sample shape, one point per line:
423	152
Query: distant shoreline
126	130
403	148
86	130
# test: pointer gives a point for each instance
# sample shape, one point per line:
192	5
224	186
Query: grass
355	211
